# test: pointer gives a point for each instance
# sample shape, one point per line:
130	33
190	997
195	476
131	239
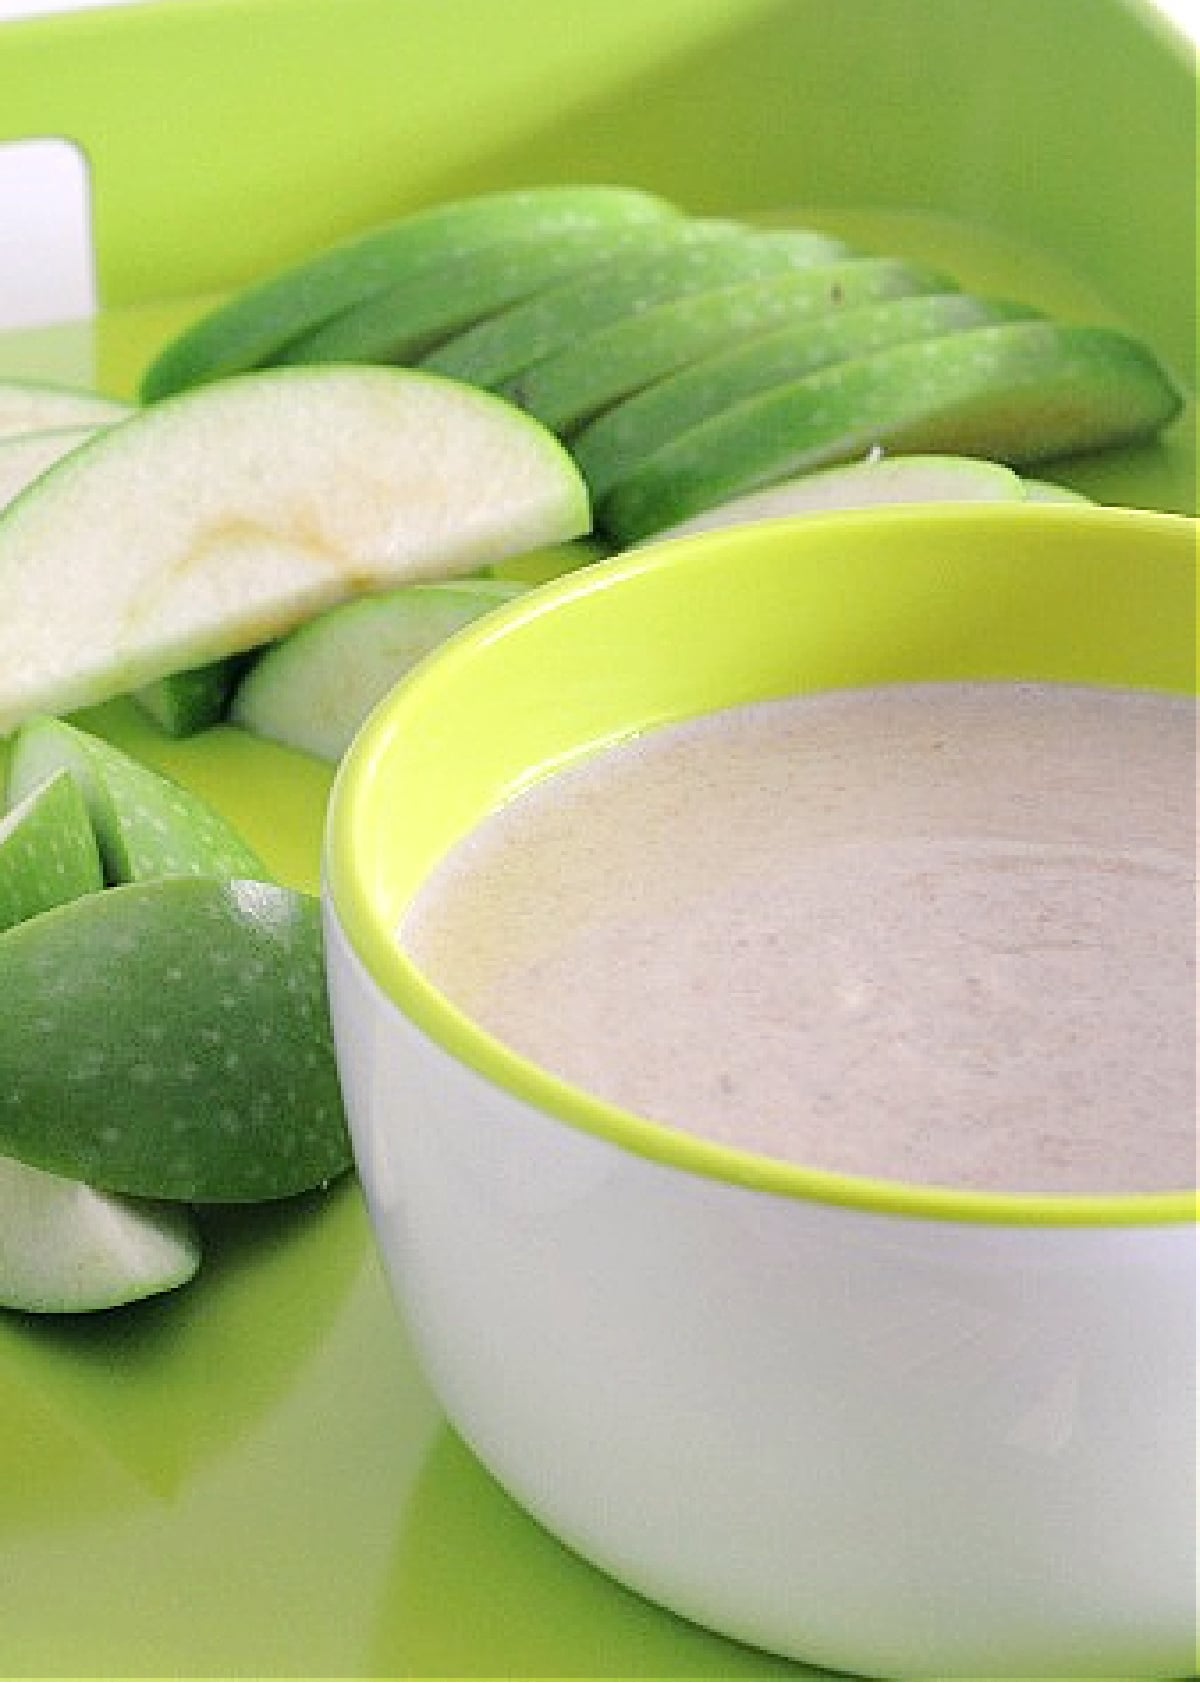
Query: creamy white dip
937	933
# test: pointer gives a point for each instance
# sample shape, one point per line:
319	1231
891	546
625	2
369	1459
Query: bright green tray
250	1478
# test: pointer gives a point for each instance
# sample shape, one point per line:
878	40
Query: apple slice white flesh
219	519
48	851
38	406
67	1249
885	479
313	689
146	826
1045	491
25	456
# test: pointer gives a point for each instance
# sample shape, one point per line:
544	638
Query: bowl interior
1080	595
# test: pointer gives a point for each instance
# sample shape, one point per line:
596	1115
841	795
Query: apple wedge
146	825
67	1249
1019	393
218	520
206	1075
566	390
48	851
610	447
252	327
313	689
24	457
38	406
883	479
685	257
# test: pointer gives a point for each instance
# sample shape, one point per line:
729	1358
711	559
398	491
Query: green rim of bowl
361	822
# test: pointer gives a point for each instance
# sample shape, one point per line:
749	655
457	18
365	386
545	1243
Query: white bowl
879	1428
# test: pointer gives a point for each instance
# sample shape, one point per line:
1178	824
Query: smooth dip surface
937	933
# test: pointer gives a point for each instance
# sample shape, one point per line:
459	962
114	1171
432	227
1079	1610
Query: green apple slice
186	702
313	689
1019	393
24	457
206	1075
866	484
146	825
566	390
418	311
258	322
215	521
39	406
685	257
48	851
67	1249
610	447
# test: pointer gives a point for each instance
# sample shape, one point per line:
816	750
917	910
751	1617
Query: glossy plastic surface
251	1478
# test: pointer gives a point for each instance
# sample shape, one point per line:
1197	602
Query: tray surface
250	1477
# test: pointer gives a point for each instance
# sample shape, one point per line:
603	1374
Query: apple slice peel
420	311
25	456
610	447
206	1075
185	702
692	257
1019	393
217	520
584	379
39	406
255	325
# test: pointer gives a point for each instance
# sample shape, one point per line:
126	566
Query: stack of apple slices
687	361
165	1040
588	358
